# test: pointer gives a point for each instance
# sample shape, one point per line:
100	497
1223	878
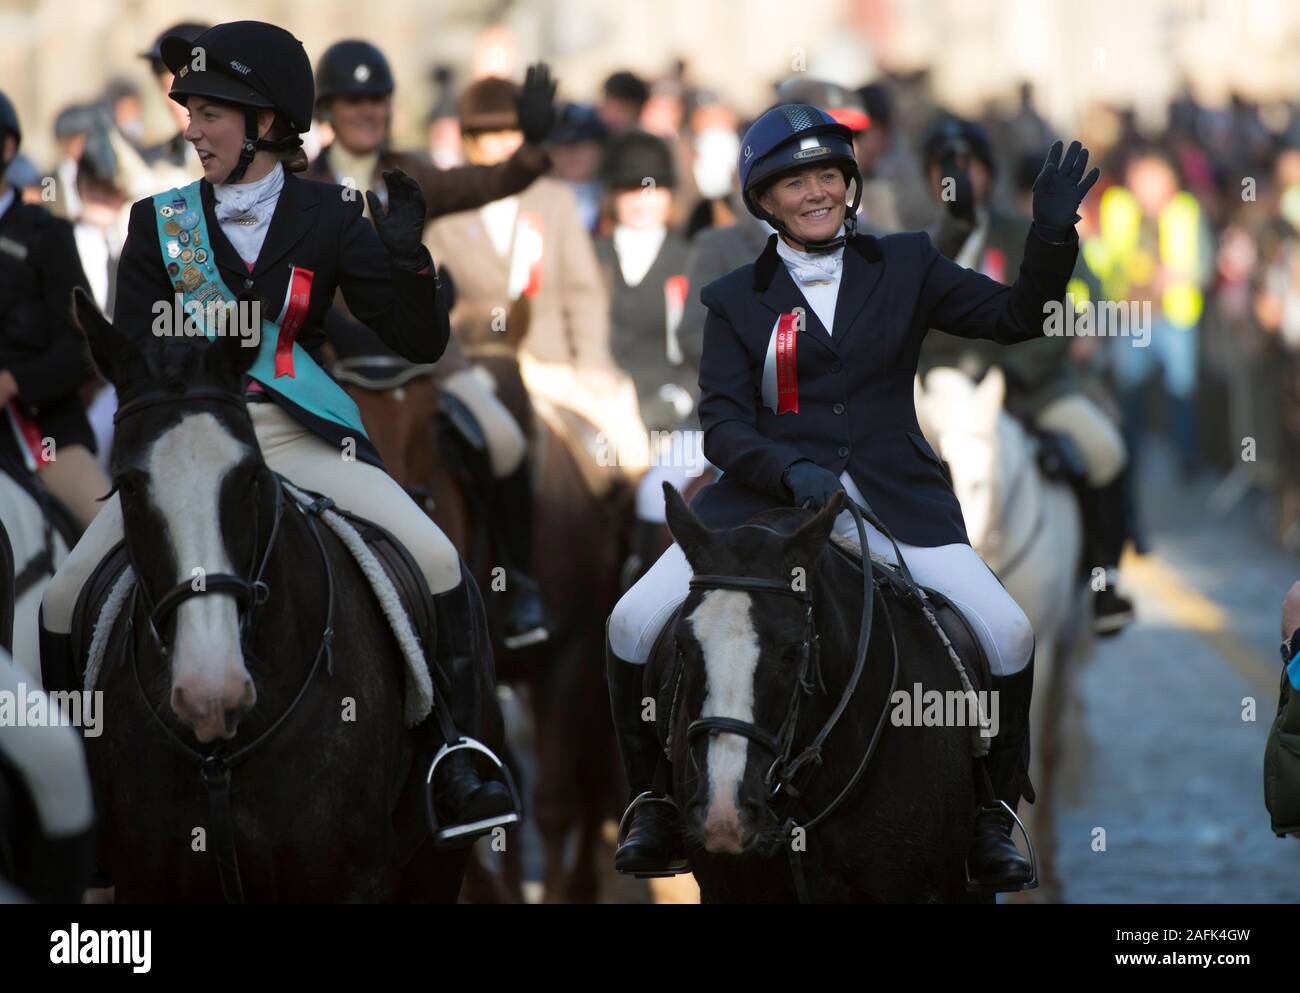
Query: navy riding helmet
792	136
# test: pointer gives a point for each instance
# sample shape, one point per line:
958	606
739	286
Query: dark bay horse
581	542
259	725
793	780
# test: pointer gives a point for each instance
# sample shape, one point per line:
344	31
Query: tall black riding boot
525	619
652	844
1105	534
467	804
994	863
58	668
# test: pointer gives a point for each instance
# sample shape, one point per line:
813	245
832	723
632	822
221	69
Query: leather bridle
787	765
215	766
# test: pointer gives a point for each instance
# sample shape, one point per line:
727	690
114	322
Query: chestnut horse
581	542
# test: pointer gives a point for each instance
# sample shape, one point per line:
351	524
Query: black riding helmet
189	30
789	137
351	68
634	156
252	65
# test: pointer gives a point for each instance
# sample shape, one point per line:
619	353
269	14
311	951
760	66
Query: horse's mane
782	520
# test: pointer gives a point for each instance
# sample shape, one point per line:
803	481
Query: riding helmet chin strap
253	144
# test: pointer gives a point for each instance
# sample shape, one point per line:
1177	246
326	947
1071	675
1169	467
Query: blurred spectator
714	148
173	151
122	98
894	193
623	97
442	128
576	146
1153	246
24	177
72	125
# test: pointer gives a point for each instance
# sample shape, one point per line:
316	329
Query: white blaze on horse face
186	466
729	644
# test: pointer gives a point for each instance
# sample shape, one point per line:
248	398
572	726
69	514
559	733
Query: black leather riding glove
536	104
809	484
402	225
1060	188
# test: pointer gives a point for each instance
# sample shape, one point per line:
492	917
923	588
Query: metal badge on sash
780	367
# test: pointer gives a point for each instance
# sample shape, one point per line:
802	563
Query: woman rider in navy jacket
846	421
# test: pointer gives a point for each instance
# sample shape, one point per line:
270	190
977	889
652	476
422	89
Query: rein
785	768
215	766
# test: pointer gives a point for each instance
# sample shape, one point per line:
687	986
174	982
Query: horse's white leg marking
721	624
186	466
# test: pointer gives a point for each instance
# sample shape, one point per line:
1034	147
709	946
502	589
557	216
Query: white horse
1025	526
38	549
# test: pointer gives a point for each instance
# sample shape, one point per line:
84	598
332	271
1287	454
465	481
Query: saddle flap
405	576
457	413
90	602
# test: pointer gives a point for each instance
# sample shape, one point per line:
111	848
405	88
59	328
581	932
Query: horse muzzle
213	714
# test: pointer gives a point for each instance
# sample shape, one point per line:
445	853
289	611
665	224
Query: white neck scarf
811	267
637	249
244	211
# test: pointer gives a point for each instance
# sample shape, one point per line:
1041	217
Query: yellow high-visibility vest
1119	261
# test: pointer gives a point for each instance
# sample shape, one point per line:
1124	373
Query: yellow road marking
1193	611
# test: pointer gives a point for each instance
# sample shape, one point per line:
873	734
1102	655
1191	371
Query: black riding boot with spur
994	863
651	840
467	804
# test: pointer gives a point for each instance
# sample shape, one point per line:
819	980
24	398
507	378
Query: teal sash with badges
282	365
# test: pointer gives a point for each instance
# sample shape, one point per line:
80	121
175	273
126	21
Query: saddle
1059	456
397	562
379	373
584	443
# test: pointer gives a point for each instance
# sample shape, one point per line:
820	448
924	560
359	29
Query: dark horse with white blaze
260	724
792	781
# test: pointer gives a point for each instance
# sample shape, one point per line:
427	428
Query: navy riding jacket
856	409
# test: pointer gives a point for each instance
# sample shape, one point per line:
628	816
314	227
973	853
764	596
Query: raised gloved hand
1060	188
536	104
809	484
402	225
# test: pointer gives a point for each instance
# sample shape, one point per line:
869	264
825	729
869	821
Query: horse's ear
113	352
231	355
687	530
805	546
